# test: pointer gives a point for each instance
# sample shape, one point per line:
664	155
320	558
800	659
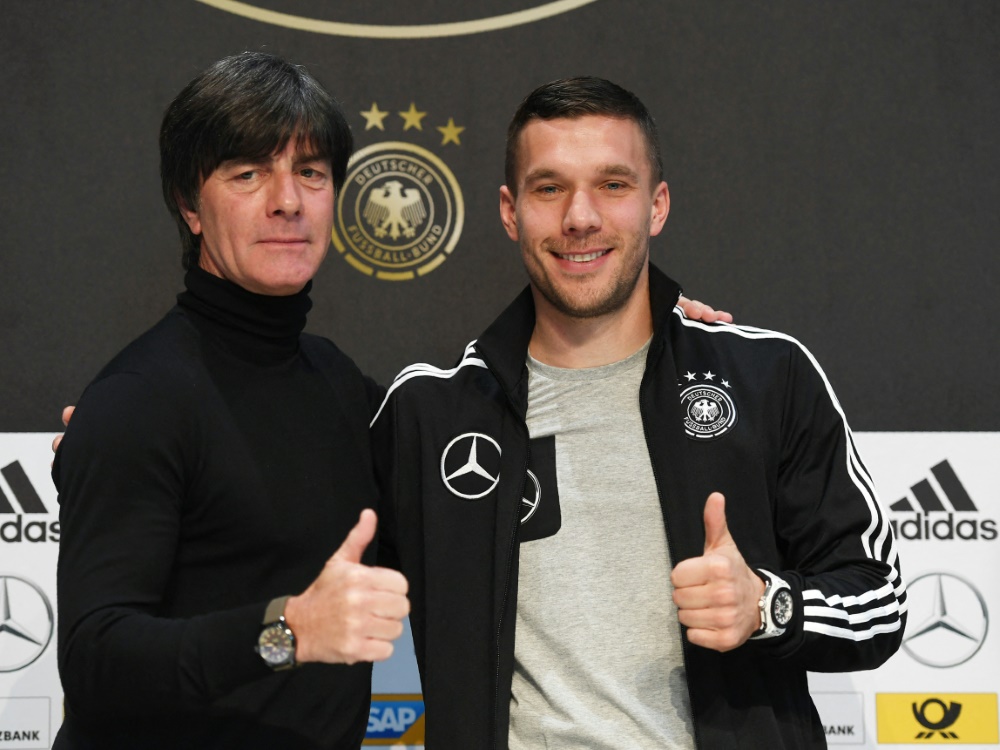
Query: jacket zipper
503	602
685	646
523	428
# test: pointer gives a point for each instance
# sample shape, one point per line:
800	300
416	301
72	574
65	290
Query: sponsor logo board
24	518
24	723
27	622
948	620
843	717
939	507
937	718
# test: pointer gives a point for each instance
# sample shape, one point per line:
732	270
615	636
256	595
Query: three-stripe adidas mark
945	515
26	506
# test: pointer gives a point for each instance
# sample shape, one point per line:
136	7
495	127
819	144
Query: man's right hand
351	612
717	593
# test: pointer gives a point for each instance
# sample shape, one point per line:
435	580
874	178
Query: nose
285	197
582	216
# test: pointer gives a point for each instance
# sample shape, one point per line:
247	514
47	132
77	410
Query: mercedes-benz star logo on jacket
470	465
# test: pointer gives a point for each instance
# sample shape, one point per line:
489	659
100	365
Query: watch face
781	608
275	645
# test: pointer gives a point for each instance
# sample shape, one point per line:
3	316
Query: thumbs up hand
717	594
351	612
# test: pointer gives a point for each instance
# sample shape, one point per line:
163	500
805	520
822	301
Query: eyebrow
608	170
238	161
540	174
302	157
619	170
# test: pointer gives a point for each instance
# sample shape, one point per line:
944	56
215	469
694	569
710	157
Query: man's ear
661	207
508	212
190	216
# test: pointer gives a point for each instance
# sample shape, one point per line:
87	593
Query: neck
256	327
561	340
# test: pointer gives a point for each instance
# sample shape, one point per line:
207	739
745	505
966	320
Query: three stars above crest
709	376
412	118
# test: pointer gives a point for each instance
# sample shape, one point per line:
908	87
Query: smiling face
584	209
265	225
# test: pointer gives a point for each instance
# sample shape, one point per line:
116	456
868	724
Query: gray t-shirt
598	660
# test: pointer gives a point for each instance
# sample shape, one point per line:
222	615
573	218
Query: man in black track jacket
621	527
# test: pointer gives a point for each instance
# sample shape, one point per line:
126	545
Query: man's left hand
696	310
717	594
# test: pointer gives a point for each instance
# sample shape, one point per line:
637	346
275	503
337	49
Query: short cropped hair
248	106
578	97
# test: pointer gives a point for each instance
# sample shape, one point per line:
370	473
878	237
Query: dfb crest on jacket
709	411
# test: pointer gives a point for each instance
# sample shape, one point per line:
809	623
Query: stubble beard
602	301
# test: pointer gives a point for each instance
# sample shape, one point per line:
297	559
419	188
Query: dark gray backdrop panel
833	171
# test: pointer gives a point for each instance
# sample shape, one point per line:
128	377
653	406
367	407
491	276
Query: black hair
247	106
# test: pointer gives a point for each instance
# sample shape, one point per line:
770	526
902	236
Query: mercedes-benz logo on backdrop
949	620
26	622
470	465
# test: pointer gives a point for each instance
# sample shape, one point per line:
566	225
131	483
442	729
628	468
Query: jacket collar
504	345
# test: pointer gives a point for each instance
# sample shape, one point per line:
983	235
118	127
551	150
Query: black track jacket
765	429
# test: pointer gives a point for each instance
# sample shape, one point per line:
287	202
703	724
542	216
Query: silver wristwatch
777	606
276	642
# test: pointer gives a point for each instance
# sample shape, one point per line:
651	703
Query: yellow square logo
937	718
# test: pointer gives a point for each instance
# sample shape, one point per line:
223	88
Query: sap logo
391	719
933	519
396	718
25	526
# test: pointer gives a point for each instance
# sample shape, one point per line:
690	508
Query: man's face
265	225
585	209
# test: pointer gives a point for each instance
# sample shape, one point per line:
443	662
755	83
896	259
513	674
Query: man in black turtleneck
216	463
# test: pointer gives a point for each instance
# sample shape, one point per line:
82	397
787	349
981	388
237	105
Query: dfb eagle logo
390	208
709	412
705	410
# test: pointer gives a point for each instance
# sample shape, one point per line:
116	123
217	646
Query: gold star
412	117
450	132
374	117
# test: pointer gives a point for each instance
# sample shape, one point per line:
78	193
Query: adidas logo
943	516
25	526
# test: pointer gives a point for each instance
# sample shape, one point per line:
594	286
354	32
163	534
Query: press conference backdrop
833	173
